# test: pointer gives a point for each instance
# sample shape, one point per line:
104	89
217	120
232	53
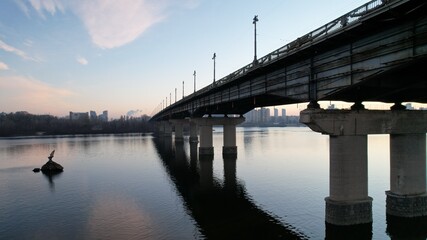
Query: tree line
26	124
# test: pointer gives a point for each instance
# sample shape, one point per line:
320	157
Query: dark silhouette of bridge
376	52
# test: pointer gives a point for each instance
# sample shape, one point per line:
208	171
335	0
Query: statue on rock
51	155
51	166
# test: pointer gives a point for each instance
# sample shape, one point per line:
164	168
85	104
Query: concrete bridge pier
194	129
407	196
206	140
229	139
164	129
230	147
348	202
179	126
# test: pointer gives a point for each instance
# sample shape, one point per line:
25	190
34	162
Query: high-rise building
249	116
409	106
78	116
265	115
276	115
104	116
93	116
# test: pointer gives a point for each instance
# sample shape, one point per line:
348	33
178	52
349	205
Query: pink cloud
18	93
3	66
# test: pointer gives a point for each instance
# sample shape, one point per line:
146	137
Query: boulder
52	166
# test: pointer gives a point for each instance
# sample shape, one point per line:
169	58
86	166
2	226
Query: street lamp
255	20
175	95
182	89
214	57
194	74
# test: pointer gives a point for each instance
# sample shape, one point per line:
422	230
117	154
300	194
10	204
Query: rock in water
52	166
36	170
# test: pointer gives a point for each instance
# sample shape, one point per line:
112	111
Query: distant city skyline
130	55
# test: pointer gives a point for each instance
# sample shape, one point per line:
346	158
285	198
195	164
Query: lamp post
214	57
175	94
170	99
194	74
255	20
182	89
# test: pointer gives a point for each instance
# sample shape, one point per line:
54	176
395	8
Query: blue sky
58	56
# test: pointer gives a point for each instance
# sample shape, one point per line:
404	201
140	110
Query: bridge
377	52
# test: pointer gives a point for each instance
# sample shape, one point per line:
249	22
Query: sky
58	56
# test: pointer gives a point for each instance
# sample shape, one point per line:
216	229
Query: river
136	186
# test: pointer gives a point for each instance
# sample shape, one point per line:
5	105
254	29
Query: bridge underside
406	83
244	105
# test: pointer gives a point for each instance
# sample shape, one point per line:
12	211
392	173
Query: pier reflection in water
407	228
221	210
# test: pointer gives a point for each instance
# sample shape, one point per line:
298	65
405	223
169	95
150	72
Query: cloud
23	7
28	94
82	60
50	6
134	113
111	23
28	43
3	66
4	46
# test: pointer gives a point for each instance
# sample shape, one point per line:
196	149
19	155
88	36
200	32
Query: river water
137	186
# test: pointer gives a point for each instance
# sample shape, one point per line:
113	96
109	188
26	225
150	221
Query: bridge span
377	52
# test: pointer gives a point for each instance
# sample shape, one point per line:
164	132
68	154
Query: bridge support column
407	196
206	141
165	129
179	126
348	129
348	202
230	147
179	136
194	132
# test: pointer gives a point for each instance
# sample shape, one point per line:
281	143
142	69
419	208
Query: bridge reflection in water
224	210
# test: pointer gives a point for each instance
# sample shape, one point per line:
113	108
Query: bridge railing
320	33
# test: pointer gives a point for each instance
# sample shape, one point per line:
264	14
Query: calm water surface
141	187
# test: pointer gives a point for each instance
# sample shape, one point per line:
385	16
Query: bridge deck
373	53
